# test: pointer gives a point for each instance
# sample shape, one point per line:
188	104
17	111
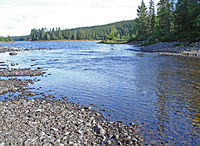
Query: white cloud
18	17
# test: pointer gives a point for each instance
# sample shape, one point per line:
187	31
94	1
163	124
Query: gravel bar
21	72
47	122
171	48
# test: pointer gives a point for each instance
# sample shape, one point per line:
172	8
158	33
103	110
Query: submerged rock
12	53
39	67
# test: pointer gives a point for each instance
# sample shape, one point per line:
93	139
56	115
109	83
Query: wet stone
39	68
12	64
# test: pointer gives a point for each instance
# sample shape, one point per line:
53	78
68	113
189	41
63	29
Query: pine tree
151	17
164	19
172	15
175	19
142	19
113	32
47	36
187	11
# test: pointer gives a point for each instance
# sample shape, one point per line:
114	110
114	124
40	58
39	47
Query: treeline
6	39
174	20
124	30
21	38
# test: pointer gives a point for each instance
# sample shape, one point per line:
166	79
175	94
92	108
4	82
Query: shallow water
160	92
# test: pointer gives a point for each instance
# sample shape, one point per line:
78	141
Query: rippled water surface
160	92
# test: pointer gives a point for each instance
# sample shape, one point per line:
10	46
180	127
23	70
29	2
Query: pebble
57	122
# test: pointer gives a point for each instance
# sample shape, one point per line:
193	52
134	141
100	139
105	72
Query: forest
172	20
124	30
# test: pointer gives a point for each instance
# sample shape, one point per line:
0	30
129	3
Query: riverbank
14	50
113	42
33	118
44	122
7	42
4	49
172	48
67	41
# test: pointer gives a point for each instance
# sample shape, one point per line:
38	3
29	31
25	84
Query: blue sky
18	17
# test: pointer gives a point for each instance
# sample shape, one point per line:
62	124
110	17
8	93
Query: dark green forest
173	20
124	31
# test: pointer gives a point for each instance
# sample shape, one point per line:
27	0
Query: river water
162	93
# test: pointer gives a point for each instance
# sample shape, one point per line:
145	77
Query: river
162	93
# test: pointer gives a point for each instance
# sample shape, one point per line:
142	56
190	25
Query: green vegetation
116	31
107	41
6	39
114	37
175	20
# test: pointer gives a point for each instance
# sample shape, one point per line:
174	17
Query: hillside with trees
174	20
122	30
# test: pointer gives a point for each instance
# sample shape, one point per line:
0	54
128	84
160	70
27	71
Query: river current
162	93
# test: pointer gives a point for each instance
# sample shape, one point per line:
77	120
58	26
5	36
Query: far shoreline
67	41
8	42
54	41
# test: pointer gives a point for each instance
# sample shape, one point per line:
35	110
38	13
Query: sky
18	17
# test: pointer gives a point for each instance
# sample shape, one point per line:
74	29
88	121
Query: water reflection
178	104
160	91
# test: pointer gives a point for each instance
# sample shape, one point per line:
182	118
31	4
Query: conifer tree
187	12
163	14
142	19
151	17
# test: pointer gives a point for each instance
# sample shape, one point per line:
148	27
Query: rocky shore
13	51
47	122
30	118
13	85
3	50
21	72
16	85
172	48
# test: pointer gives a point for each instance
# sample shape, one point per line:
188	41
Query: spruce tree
164	19
151	17
187	12
142	19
